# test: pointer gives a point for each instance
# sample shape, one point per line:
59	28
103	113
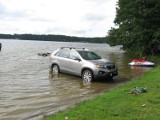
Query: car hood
101	61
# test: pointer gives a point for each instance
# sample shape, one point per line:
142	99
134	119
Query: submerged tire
87	76
110	78
55	69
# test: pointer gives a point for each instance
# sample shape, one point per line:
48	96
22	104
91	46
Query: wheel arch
51	67
86	68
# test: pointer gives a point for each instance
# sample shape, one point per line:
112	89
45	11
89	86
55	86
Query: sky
81	18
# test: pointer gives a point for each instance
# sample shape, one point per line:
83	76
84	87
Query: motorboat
141	62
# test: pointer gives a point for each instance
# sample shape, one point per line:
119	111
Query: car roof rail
73	48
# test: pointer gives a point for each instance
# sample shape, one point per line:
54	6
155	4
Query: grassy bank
123	103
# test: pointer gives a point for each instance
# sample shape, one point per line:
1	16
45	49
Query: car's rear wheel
55	69
87	75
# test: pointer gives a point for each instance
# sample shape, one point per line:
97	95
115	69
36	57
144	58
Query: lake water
27	89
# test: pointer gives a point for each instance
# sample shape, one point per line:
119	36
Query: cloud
95	17
2	9
88	18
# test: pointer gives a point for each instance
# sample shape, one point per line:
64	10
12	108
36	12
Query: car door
75	63
63	60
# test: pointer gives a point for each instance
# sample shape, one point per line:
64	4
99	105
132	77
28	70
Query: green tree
138	26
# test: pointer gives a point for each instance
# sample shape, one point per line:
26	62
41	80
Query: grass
118	104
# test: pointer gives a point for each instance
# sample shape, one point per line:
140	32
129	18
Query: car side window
74	55
62	53
58	53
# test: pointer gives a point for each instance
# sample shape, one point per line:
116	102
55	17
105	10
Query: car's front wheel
55	69
87	75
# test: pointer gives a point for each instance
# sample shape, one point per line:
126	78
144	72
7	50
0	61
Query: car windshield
88	55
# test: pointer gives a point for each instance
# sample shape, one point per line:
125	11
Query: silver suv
82	62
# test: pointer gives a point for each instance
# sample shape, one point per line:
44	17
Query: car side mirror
77	58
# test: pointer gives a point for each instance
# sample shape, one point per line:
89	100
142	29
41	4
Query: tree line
60	38
137	27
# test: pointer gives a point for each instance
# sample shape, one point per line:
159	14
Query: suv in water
81	62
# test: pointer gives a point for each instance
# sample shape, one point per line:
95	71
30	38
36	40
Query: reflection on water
84	87
27	88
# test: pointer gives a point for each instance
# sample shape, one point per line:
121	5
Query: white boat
142	62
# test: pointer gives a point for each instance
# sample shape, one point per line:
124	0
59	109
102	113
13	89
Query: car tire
55	69
87	76
110	78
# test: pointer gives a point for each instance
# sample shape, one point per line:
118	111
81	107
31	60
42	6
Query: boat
141	62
